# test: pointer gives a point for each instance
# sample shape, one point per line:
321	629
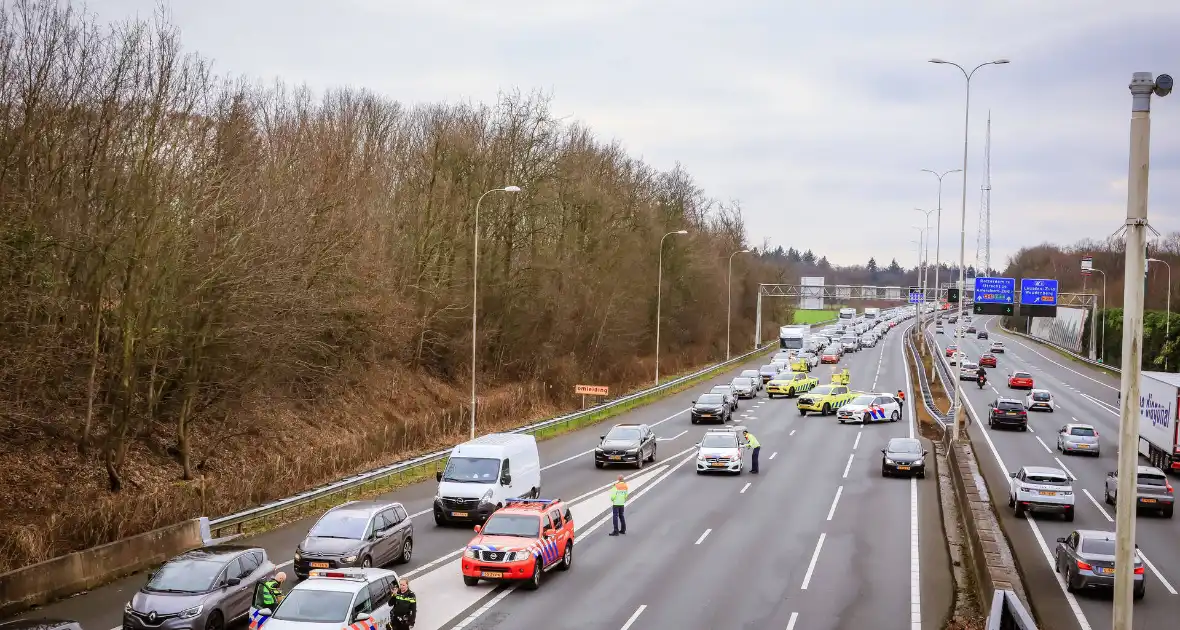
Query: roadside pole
1142	86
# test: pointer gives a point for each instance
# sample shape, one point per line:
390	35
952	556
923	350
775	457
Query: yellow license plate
706	415
1047	494
319	565
1107	571
903	467
459	514
1148	500
1083	446
717	465
616	457
491	574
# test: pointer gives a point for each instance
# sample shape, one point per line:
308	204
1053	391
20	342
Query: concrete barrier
83	570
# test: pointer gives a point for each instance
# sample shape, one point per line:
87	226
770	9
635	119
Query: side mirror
1111	474
233	581
884	450
438	475
698	445
550	533
478	528
602	437
506	480
694	402
361	617
266	612
1012	475
925	452
1061	540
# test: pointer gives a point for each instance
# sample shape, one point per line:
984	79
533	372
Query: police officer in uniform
272	591
405	607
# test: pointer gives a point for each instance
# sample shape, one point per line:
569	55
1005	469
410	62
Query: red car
950	350
987	360
1020	380
829	358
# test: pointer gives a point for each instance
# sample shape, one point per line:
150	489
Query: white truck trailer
1159	401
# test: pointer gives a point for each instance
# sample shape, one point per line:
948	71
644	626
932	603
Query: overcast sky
817	116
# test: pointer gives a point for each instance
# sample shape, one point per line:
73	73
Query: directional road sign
916	296
1038	292
995	290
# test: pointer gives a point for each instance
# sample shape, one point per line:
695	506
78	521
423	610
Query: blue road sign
916	297
1038	292
995	290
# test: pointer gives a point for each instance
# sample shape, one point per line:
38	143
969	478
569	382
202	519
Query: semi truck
848	313
1159	401
793	337
872	313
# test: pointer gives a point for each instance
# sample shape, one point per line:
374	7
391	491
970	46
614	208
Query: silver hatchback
1078	438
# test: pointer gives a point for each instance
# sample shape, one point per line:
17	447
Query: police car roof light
344	575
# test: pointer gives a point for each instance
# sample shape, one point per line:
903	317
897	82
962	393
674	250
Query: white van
481	475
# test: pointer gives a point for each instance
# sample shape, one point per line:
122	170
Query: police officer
618	500
755	448
272	591
405	607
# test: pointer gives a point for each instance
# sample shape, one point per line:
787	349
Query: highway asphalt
1083	394
817	540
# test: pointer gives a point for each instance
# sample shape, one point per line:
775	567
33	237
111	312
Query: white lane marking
1067	471
1101	405
752	417
1159	576
915	564
835	502
1098	505
848	465
486	607
814	558
997	392
1069	598
1073	418
1043	445
1017	342
703	536
1030	430
674	437
857	442
746	487
586	452
634	616
773	454
791	433
791	622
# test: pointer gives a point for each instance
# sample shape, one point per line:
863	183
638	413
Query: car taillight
1024	413
1084	566
1138	570
1168	485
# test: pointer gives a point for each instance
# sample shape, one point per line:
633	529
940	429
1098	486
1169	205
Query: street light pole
659	299
1168	320
921	241
926	250
475	293
729	308
1102	333
1136	226
963	223
938	229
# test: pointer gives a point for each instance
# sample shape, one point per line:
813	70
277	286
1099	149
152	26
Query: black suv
630	444
710	408
981	334
1007	412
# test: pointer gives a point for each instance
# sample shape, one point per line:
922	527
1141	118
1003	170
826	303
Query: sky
818	117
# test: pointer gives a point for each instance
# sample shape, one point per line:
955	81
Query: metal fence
1008	613
924	383
373	477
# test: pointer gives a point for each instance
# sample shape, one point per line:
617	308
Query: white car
968	371
1041	489
956	358
1040	399
867	408
720	451
997	346
334	597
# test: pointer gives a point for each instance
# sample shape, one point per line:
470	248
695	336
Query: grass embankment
813	317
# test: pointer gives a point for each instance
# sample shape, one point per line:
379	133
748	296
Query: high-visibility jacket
618	494
271	593
753	441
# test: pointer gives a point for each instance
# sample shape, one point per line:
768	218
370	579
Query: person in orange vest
618	500
901	400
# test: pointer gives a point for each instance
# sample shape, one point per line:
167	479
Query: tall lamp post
923	241
1102	333
926	252
1168	321
659	299
475	293
963	222
729	308
938	223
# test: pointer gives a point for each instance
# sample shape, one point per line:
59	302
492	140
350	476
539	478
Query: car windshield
822	390
1044	479
710	399
311	606
343	524
721	389
624	434
1098	546
1041	396
472	470
719	440
904	446
849	339
986	356
952	348
1022	375
523	525
1083	431
862	400
185	576
970	366
997	345
749	373
1008	404
742	382
1151	479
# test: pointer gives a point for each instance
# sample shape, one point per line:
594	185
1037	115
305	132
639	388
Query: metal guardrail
924	383
1061	349
238	519
1008	613
944	374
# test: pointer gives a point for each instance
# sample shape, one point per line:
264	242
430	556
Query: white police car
868	408
331	599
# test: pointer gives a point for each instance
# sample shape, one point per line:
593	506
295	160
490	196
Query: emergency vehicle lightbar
531	501
340	574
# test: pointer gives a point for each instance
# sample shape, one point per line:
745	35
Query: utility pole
1142	86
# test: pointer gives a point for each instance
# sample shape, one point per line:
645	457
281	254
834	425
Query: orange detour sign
591	390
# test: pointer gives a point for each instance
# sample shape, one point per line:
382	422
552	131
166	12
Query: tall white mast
983	239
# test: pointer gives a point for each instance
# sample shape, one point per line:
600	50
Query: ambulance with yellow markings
790	384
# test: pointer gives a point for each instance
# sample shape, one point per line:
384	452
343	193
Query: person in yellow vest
618	499
755	448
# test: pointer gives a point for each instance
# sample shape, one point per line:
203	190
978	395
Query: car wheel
535	581
600	464
1167	512
895	417
694	421
803	412
884	471
653	454
438	519
366	563
826	410
867	418
770	395
1069	515
1019	510
1024	427
567	558
991	424
215	621
407	551
470	581
1011	500
639	461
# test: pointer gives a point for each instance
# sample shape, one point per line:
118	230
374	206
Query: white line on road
857	442
1111	409
814	558
674	437
915	564
1159	576
746	487
752	417
634	616
703	536
835	501
773	454
1068	471
1043	445
791	433
791	622
1097	505
1030	430
483	609
997	392
848	465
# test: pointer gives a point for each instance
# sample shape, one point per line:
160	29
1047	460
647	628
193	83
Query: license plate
706	415
903	467
459	514
1083	446
1046	493
319	565
1107	571
616	457
491	574
717	465
1148	500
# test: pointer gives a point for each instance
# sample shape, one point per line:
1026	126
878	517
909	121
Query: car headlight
890	461
919	462
599	450
298	556
1023	489
351	558
517	555
487	497
127	607
190	613
633	451
469	554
